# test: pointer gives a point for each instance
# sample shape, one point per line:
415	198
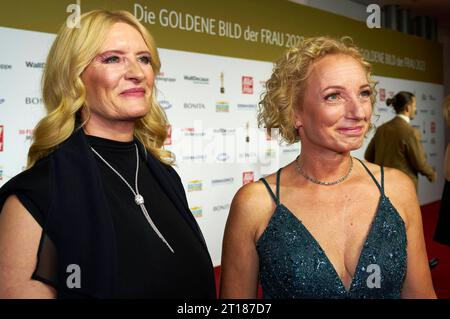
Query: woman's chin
136	113
350	147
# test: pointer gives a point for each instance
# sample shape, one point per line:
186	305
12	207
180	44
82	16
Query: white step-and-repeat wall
211	102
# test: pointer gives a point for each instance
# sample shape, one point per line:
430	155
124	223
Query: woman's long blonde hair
64	93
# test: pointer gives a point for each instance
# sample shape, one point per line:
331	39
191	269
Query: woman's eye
145	59
332	97
111	59
366	93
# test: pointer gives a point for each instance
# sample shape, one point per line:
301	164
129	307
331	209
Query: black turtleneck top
146	266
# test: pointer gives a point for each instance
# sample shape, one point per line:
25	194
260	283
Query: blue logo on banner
222	157
165	104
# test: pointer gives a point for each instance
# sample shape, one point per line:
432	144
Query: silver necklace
138	199
316	181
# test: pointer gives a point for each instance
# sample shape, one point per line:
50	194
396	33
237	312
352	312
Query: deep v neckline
320	249
292	263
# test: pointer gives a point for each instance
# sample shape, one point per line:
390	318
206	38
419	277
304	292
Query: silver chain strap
139	200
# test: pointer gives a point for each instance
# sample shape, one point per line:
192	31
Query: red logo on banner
168	140
247	177
247	85
1	138
433	127
382	95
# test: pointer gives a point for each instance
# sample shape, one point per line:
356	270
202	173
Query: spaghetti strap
262	179
380	187
276	198
278	184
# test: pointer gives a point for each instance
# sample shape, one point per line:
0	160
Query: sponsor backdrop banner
216	57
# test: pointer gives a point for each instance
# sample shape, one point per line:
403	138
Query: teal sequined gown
293	265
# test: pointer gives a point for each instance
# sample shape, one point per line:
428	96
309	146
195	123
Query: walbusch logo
196	79
35	65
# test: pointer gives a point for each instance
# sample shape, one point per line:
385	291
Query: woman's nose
134	71
356	109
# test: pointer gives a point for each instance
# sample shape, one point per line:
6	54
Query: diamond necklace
316	181
138	199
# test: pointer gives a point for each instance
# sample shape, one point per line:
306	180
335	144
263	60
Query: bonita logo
198	106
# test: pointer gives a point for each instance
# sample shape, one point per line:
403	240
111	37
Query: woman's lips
136	92
351	130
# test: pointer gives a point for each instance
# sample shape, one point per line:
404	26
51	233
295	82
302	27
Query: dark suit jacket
397	144
79	223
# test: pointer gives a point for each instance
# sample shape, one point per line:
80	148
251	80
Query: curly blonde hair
64	93
286	86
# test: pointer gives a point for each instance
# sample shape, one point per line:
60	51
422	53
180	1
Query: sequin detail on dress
293	265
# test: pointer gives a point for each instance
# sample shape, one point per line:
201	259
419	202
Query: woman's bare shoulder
252	196
398	184
251	208
394	179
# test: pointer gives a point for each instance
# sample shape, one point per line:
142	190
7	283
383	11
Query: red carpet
441	273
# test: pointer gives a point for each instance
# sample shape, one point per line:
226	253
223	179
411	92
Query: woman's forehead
123	35
337	69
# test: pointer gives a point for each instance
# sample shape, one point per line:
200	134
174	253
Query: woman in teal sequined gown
326	225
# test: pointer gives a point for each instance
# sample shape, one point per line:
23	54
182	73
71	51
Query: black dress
442	233
146	268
